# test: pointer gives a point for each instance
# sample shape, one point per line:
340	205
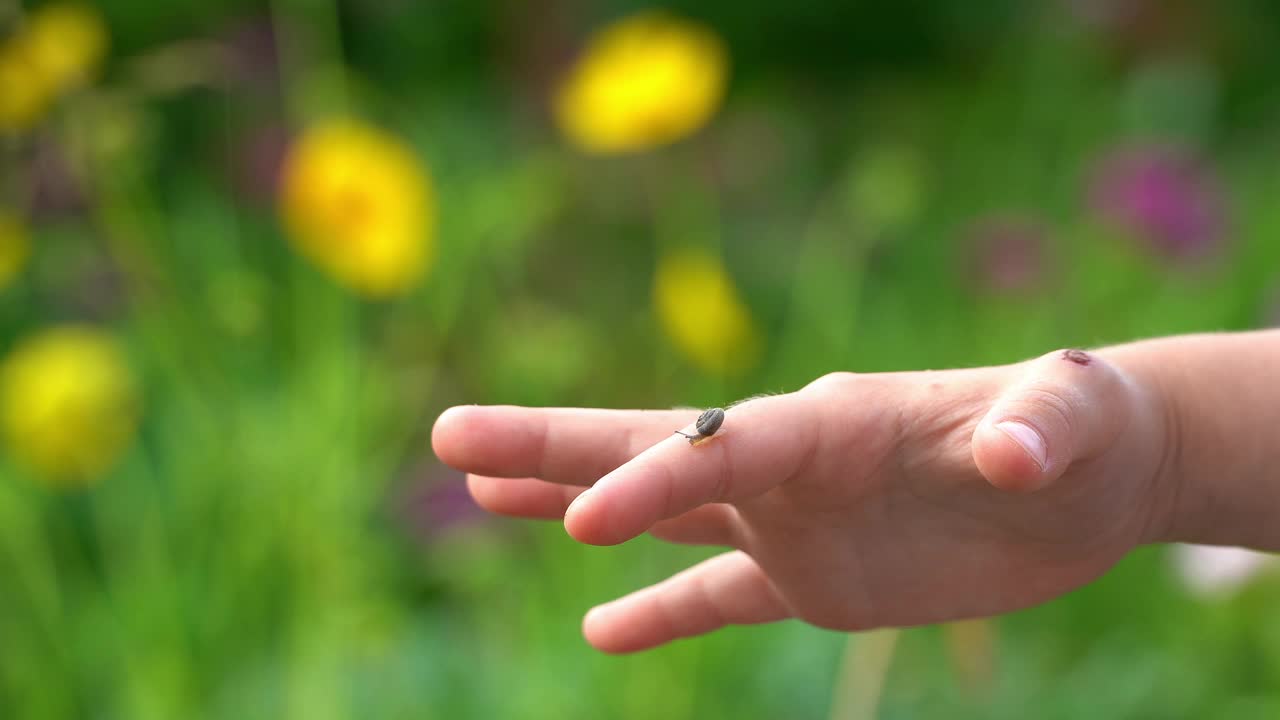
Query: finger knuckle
1052	403
832	381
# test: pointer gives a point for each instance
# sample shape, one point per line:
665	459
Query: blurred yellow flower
14	247
645	81
700	309
60	46
68	404
357	202
66	42
24	96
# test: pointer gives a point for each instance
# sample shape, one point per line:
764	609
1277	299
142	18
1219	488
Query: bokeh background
249	250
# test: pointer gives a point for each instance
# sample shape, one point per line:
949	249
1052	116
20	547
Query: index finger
572	446
761	444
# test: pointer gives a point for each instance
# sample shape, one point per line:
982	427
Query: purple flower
1008	252
1165	197
437	501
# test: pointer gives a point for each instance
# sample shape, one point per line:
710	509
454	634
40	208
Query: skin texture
894	499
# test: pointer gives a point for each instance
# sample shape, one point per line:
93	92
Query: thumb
1069	405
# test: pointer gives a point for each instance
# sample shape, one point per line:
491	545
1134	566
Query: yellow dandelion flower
645	81
24	95
701	310
357	202
68	406
60	46
66	42
14	247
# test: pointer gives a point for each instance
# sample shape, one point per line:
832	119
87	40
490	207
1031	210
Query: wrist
1212	482
1168	511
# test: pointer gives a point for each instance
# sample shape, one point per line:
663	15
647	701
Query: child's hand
859	501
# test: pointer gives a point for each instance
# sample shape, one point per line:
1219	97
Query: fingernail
1028	438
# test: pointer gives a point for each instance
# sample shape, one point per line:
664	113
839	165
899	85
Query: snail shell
709	422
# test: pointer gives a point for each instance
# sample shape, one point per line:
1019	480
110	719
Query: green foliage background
260	552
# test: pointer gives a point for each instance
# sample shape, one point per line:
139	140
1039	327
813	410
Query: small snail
707	425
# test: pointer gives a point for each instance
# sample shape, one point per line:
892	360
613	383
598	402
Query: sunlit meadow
249	251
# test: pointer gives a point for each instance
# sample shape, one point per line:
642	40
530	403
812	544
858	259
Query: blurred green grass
254	554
